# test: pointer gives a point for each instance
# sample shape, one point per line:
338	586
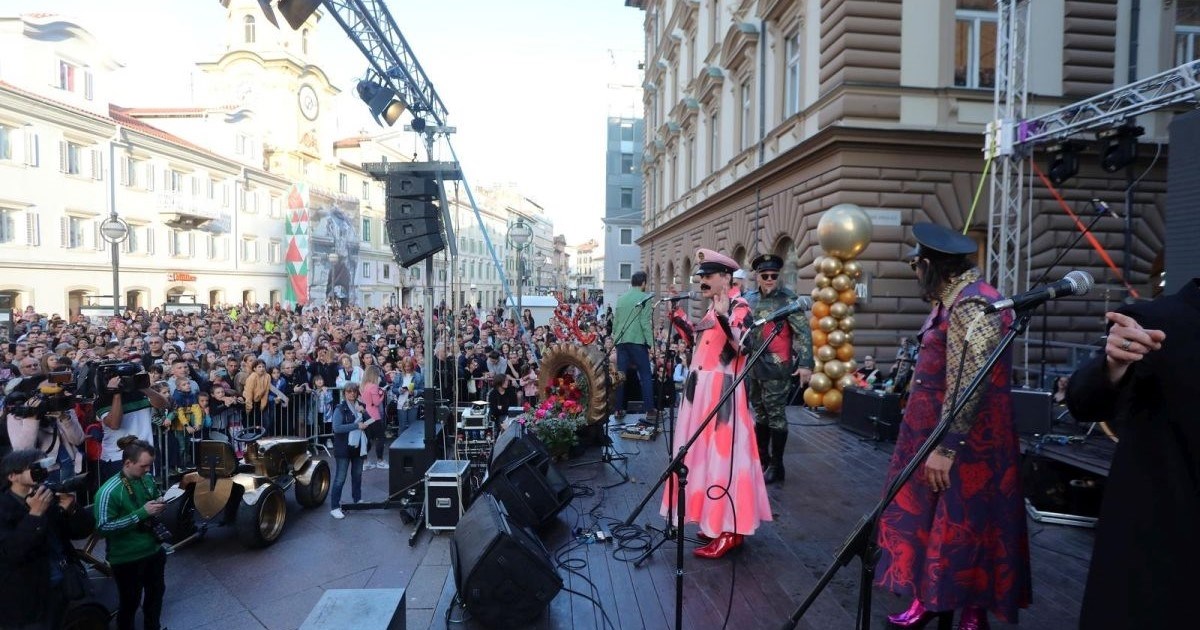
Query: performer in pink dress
725	493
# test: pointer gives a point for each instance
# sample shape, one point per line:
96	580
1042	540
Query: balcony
186	212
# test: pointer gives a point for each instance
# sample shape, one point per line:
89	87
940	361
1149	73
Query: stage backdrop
323	242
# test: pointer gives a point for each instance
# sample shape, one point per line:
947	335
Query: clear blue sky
528	83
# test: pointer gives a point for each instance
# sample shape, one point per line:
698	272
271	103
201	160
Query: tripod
679	470
862	541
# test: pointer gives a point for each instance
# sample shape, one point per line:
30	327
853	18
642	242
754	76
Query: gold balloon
827	324
821	281
848	296
817	262
835	369
844	230
812	398
846	324
846	352
837	309
821	309
850	336
830	266
820	383
832	400
836	338
818	366
852	268
816	294
841	282
851	365
826	353
827	295
819	337
846	382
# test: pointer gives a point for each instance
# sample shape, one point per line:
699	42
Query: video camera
39	471
33	398
133	377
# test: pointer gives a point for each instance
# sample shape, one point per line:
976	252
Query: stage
833	477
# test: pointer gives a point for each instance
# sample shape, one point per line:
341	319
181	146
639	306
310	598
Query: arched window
739	256
248	23
304	41
789	276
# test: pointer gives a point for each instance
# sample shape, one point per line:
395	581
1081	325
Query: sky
529	84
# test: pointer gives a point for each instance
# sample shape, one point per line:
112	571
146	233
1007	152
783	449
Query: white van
540	306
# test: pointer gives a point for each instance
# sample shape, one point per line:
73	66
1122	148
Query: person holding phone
349	448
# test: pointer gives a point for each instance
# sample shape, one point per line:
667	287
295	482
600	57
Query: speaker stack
503	573
522	476
414	221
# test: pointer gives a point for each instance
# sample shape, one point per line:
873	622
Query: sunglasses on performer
768	276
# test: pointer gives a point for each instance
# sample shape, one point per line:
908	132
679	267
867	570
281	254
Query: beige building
761	114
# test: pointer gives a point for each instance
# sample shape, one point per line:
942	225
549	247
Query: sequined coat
968	545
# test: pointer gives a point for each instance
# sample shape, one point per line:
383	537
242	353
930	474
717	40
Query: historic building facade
761	114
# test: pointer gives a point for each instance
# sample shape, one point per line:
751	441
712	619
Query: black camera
39	471
33	399
132	377
158	530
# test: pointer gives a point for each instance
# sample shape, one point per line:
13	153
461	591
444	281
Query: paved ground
833	477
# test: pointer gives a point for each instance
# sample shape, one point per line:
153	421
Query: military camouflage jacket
779	361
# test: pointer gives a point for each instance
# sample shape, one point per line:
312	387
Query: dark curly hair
937	269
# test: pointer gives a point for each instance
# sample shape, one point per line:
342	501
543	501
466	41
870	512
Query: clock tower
278	95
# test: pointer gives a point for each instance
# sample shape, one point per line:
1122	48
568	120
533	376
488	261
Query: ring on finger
1125	345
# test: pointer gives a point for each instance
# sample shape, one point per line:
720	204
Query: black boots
774	472
762	435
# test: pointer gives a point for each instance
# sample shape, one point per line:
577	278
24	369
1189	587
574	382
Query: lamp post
115	230
519	236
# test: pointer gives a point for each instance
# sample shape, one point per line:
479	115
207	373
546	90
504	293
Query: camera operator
124	413
41	415
125	509
36	529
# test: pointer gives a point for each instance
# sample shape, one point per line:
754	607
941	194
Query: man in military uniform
788	357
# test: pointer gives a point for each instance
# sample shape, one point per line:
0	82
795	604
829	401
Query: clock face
308	102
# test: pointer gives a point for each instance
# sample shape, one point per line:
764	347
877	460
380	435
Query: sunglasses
768	276
912	264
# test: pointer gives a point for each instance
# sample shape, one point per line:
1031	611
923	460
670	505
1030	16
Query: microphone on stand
690	295
644	300
1102	207
1074	283
785	311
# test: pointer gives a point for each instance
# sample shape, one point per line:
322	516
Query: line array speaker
414	222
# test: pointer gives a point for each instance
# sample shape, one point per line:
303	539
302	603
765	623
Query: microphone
1102	207
644	300
690	295
1074	283
785	311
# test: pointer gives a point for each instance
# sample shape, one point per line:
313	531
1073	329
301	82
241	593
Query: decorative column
843	232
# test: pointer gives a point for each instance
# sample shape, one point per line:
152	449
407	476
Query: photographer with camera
126	509
37	524
41	415
123	407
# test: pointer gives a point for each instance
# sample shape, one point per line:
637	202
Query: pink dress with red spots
725	490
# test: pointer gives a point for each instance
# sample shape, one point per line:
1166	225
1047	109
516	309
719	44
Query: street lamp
115	230
519	236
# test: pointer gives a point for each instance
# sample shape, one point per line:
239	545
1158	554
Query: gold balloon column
844	231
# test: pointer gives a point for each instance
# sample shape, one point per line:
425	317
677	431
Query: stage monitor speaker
871	413
1033	411
514	444
411	186
408	458
503	573
532	490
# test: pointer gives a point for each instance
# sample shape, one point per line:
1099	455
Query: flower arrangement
557	419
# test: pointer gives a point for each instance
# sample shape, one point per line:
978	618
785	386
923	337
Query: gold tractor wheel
588	364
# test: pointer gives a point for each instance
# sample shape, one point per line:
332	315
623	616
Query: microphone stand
678	469
862	540
1062	254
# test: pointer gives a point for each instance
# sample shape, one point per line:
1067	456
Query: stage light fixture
1118	146
1064	161
418	124
381	100
297	12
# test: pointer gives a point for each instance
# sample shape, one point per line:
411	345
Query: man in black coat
1143	571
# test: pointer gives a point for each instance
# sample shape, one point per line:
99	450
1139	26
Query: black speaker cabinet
532	490
414	229
503	574
408	458
1033	411
514	444
871	413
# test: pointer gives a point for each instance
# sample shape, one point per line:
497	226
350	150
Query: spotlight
1065	161
382	102
418	124
1118	146
296	12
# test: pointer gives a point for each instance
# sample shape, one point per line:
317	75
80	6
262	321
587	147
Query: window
73	78
714	146
71	158
343	183
180	244
626	198
248	25
366	272
791	74
387	272
627	132
626	163
366	190
8	230
72	232
33	228
33	154
626	271
6	140
745	115
131	245
129	172
249	250
150	241
173	181
210	247
1187	31
211	189
366	230
627	236
273	252
975	44
689	163
276	207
